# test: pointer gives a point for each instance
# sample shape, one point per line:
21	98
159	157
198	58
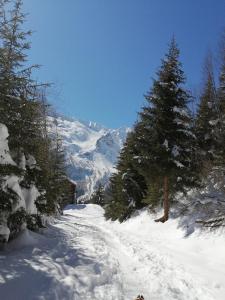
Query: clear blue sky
102	54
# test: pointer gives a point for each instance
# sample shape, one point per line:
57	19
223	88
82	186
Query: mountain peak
91	151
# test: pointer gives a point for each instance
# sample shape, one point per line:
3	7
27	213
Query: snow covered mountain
91	151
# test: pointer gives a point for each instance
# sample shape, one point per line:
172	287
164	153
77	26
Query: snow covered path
83	257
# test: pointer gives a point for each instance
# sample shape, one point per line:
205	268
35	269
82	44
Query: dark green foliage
57	185
15	222
221	88
7	198
154	193
17	89
19	219
162	144
127	187
23	109
221	107
207	120
118	207
10	170
167	121
67	194
34	222
167	142
98	196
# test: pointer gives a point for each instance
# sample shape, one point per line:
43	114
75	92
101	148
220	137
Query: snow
31	161
166	144
5	158
24	198
181	122
4	232
188	133
210	104
175	151
181	111
13	182
14	97
214	122
26	238
30	195
84	257
91	151
178	164
124	175
22	164
78	133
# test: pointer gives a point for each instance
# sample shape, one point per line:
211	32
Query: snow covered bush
17	203
8	196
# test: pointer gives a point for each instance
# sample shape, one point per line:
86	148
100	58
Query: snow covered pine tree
168	140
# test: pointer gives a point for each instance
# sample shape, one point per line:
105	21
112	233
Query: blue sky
102	54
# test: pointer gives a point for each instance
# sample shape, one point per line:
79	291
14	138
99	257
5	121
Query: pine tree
58	188
98	196
207	118
221	105
38	161
8	195
16	85
127	187
167	139
118	206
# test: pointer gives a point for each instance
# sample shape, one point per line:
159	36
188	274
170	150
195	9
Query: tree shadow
47	270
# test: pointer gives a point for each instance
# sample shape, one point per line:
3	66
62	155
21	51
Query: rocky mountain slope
91	151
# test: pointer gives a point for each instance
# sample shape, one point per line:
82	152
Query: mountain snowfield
91	151
81	256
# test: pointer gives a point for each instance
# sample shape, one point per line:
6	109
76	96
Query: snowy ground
83	257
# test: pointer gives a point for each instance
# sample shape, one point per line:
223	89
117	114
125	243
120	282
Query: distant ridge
91	151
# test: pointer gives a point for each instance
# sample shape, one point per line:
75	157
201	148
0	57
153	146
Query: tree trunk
166	205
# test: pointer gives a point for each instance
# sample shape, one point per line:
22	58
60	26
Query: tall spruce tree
58	186
17	89
167	139
207	118
221	105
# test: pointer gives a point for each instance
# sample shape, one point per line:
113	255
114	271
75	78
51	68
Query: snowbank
5	158
30	195
15	197
4	232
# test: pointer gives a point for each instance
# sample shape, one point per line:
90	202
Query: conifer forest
88	212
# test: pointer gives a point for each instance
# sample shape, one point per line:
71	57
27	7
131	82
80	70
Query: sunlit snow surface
83	257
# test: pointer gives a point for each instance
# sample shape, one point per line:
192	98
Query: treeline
33	181
170	149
